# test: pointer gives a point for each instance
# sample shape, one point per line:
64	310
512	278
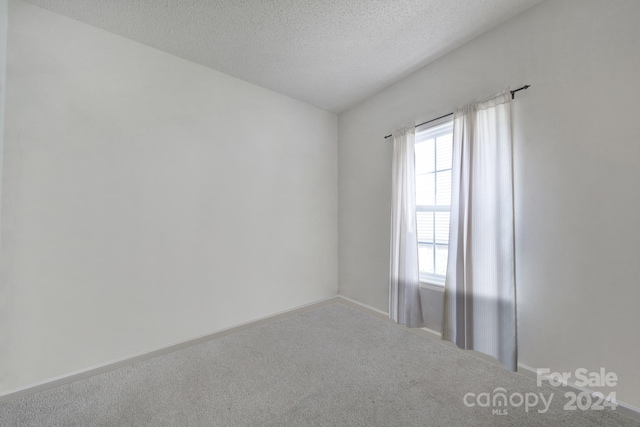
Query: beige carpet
331	366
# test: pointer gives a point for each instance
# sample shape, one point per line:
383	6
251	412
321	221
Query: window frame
429	279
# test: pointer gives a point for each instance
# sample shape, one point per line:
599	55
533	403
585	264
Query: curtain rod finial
513	92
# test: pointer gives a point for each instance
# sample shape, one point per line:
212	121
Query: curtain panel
404	281
480	295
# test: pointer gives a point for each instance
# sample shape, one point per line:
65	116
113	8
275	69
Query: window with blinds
434	150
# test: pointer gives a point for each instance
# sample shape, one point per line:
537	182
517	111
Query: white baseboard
125	361
384	315
353	303
527	371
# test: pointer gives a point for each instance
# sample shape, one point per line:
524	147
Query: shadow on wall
432	301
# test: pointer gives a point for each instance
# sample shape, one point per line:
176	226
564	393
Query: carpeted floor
331	366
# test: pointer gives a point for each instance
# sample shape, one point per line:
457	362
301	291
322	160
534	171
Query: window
434	150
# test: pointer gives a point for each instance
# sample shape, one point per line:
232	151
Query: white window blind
434	150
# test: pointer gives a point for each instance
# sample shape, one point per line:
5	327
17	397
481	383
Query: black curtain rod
428	121
447	115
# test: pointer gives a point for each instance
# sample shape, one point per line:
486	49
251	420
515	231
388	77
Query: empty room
320	213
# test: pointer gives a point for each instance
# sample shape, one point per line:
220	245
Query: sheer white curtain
480	296
404	292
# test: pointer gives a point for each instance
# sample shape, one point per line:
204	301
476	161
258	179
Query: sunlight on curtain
480	304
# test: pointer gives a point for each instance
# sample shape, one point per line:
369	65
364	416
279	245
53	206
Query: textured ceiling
329	53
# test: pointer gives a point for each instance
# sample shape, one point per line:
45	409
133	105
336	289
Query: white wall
3	67
3	75
577	177
149	200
